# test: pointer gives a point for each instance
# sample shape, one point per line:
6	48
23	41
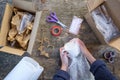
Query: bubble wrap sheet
79	68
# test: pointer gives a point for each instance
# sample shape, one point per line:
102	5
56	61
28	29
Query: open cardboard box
5	26
113	8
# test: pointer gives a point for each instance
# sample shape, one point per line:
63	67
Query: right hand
85	51
82	46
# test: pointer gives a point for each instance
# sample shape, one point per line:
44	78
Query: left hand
64	59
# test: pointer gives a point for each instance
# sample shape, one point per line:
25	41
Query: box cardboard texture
112	7
5	26
92	4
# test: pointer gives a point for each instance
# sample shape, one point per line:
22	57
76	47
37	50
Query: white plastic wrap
26	18
105	25
78	65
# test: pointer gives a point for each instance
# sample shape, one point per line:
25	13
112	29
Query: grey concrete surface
65	10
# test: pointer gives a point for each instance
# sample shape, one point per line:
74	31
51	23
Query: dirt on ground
65	10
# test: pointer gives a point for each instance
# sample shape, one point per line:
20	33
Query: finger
63	52
65	55
61	49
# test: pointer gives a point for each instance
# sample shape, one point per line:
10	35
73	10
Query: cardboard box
112	7
92	4
5	26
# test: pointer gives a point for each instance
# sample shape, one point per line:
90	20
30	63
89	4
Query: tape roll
56	30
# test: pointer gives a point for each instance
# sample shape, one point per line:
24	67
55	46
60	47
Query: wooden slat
34	32
12	51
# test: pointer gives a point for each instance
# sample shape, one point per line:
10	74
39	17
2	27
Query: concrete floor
65	10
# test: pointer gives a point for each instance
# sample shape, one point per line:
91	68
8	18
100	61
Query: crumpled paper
19	33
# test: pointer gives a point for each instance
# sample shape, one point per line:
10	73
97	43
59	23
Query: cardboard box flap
12	50
25	5
5	25
92	4
115	43
113	7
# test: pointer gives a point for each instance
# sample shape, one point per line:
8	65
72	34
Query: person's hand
85	51
82	46
64	59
